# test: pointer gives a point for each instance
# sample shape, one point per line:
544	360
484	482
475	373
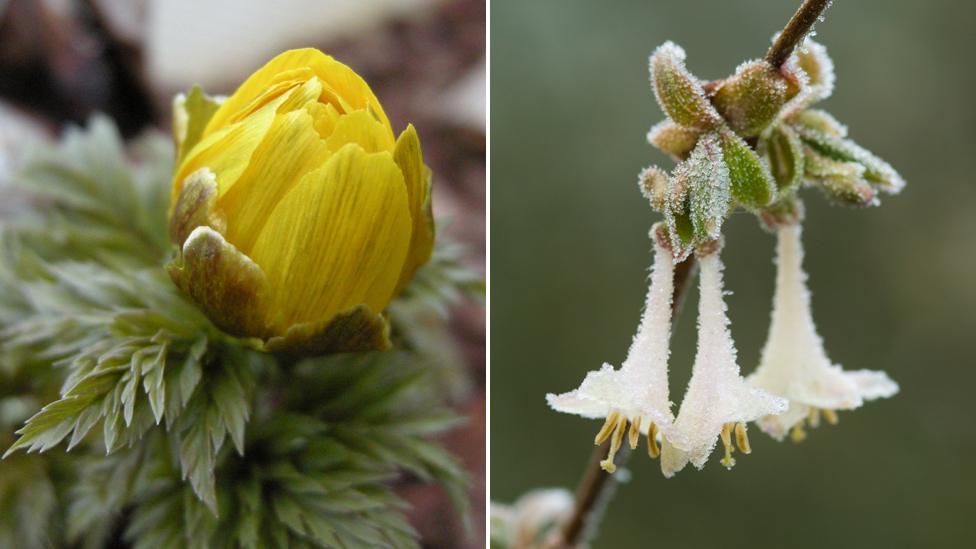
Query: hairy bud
750	99
678	92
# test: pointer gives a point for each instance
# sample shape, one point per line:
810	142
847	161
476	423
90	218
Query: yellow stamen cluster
798	433
615	427
741	440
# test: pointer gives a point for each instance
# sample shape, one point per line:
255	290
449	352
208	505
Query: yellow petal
361	128
337	239
291	148
325	116
342	86
228	151
416	175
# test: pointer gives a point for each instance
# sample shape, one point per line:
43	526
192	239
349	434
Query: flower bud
750	99
654	187
751	183
297	213
813	60
876	171
842	182
820	121
678	92
673	139
784	150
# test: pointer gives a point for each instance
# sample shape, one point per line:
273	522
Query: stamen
813	418
742	439
830	416
635	432
607	428
727	461
797	434
618	438
653	449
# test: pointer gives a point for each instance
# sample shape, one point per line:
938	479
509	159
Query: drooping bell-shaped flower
794	363
718	402
637	393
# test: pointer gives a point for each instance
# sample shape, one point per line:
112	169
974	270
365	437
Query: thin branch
798	27
596	488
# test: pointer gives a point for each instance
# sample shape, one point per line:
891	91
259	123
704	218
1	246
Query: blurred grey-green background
894	287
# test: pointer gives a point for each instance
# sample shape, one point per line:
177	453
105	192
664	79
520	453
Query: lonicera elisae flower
794	364
717	403
297	213
637	393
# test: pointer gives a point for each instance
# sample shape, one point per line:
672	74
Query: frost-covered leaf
678	92
709	183
820	121
751	183
842	182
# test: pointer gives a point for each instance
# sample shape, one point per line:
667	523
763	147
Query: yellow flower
298	214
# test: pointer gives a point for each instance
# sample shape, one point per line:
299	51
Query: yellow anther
830	416
797	434
635	432
653	449
615	441
727	461
742	438
607	428
813	418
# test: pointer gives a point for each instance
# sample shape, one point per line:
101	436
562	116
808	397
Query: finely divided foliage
180	435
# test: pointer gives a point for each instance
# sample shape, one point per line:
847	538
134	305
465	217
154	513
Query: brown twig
797	28
596	488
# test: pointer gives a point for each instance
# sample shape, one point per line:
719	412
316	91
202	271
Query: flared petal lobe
794	363
717	398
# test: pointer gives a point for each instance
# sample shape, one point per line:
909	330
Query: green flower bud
813	60
673	139
678	92
751	183
820	121
750	99
654	186
842	182
876	171
784	150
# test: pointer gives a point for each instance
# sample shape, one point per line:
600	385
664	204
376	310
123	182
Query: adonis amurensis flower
297	212
750	141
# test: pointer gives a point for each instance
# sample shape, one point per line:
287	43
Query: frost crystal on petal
794	363
639	389
717	396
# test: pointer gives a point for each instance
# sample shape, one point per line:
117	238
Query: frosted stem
794	32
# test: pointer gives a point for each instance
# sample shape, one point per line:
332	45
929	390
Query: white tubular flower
638	392
718	403
794	363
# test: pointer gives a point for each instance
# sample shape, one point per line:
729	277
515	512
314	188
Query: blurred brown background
62	60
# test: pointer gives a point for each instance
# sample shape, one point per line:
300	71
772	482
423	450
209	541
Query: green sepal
750	99
228	286
191	113
784	150
678	92
876	171
673	139
752	184
195	206
355	330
